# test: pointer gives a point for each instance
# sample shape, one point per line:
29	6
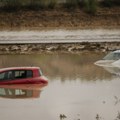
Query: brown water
77	88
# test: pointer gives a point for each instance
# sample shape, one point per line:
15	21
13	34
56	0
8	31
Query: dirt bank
60	18
51	48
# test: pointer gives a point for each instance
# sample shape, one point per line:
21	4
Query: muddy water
77	89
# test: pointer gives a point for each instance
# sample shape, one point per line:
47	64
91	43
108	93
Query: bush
36	4
111	3
71	3
90	6
31	4
11	4
108	3
52	4
42	4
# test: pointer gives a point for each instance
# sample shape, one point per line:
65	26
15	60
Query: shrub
11	4
42	4
71	3
111	3
108	3
90	6
52	4
36	4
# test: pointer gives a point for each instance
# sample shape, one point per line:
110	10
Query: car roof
18	68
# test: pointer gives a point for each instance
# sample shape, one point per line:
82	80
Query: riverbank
60	18
51	48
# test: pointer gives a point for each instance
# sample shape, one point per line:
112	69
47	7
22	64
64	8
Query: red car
22	75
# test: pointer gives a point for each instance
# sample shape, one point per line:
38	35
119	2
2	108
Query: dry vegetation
38	14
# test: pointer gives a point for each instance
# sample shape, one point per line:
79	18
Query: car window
19	74
15	74
2	76
29	73
8	75
112	56
117	56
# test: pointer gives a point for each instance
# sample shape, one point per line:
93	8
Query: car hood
104	63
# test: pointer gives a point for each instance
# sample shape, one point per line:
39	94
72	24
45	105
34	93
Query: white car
111	60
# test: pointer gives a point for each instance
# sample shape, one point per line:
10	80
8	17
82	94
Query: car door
20	76
23	76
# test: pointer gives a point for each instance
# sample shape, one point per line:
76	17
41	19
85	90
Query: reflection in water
21	91
18	93
63	66
113	70
77	90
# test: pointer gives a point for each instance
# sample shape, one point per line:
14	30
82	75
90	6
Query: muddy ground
60	18
51	48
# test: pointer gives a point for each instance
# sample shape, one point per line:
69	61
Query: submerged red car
22	75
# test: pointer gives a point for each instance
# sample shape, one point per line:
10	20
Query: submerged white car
112	59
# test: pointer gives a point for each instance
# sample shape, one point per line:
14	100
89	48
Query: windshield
112	56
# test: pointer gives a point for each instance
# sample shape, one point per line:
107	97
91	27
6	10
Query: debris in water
98	117
118	116
104	102
62	116
117	100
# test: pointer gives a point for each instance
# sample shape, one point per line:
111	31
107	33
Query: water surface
77	88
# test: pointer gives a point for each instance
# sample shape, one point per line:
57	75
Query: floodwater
77	89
